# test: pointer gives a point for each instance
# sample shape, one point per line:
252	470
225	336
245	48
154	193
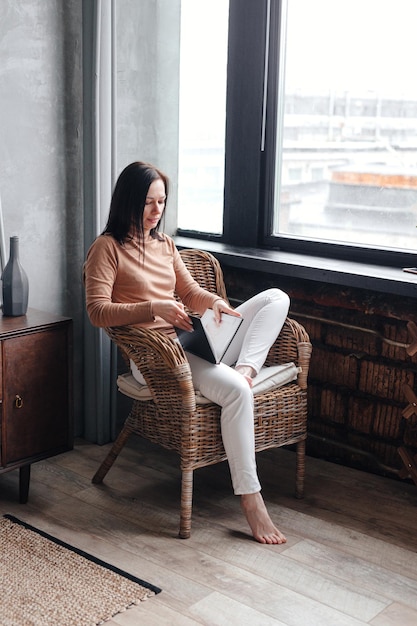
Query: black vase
15	283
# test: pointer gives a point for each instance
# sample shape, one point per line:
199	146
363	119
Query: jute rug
46	582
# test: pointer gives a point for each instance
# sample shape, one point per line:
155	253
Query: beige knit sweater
120	284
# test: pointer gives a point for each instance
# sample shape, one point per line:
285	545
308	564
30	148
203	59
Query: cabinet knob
18	402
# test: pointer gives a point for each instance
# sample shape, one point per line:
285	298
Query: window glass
203	65
347	149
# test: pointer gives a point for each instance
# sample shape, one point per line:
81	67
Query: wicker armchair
174	419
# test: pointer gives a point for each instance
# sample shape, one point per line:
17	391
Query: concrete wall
41	135
40	147
41	152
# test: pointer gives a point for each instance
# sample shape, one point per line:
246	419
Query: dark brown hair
128	201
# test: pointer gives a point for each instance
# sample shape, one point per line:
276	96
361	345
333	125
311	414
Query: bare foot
260	523
247	372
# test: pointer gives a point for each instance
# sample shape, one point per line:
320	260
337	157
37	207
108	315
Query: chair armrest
161	361
292	344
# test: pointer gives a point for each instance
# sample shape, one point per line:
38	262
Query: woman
131	274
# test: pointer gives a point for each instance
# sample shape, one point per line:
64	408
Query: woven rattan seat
173	420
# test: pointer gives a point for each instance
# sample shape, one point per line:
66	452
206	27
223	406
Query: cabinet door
36	403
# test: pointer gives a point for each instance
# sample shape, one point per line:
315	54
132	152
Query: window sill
389	280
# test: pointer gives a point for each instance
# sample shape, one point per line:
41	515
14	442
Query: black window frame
249	169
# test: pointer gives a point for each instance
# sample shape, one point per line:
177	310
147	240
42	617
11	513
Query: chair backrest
206	270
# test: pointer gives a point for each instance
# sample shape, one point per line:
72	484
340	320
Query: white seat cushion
269	378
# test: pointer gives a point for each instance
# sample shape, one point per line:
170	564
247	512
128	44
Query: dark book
208	339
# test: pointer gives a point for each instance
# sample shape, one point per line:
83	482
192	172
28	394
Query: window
204	27
350	103
320	149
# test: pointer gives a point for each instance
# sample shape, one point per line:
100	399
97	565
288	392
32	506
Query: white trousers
263	317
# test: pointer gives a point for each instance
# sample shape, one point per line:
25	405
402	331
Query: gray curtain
99	68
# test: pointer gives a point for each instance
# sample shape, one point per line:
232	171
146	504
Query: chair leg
186	503
300	468
112	455
24	479
410	464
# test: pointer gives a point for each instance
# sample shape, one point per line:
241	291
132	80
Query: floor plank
350	559
395	615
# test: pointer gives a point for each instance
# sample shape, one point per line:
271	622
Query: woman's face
154	205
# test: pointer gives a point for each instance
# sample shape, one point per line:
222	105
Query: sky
359	46
353	45
204	31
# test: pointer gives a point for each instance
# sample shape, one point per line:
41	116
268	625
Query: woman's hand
173	313
219	307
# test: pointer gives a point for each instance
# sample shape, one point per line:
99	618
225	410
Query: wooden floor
350	558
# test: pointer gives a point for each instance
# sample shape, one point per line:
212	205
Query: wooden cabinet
35	391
